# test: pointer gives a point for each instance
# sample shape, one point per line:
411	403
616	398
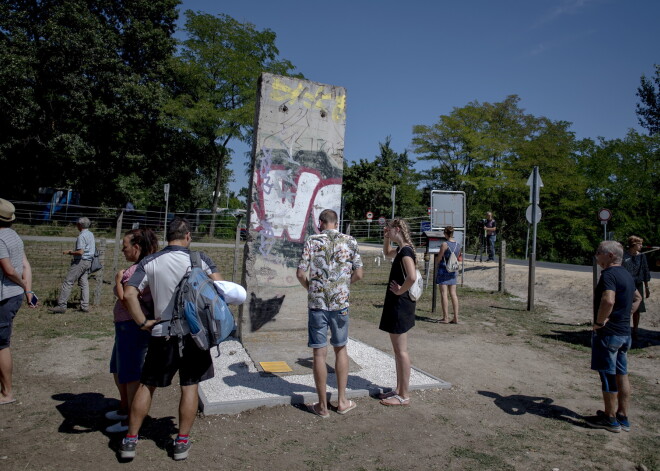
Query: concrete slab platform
289	346
238	384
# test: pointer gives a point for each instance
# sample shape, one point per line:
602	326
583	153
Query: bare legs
445	302
142	403
140	408
635	318
321	377
124	407
187	408
341	370
400	347
6	368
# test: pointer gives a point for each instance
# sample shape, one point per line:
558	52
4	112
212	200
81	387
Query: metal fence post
502	267
99	274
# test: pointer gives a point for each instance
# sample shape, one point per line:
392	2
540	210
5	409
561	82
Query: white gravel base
239	386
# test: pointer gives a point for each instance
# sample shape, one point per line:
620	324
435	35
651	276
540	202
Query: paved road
541	264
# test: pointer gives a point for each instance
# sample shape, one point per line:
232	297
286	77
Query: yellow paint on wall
281	92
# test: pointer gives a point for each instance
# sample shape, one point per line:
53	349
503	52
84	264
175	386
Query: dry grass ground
521	386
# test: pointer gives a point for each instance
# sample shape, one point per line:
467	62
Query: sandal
399	401
351	405
312	408
385	395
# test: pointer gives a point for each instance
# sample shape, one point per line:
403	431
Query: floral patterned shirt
331	257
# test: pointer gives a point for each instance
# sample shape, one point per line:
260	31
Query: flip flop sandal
401	401
386	395
352	405
312	408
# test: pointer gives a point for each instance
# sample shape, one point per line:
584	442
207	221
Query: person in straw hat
16	283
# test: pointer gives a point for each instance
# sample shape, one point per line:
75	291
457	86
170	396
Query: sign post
370	217
604	215
533	215
166	189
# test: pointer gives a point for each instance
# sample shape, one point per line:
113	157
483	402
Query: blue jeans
609	353
491	246
317	328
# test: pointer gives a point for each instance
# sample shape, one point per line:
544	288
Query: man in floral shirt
333	262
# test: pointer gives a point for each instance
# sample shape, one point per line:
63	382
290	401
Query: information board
447	209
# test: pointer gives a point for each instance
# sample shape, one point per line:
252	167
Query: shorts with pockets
8	309
163	361
609	353
317	328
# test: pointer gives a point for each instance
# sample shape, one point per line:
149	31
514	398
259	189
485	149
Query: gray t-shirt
11	247
87	243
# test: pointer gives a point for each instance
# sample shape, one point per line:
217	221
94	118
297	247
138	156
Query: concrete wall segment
297	165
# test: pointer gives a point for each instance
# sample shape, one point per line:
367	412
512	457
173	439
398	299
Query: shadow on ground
85	413
518	404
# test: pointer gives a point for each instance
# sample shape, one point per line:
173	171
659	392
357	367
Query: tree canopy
648	110
214	87
368	185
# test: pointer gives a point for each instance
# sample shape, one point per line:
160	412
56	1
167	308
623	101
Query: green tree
367	186
648	110
82	81
215	86
488	150
624	176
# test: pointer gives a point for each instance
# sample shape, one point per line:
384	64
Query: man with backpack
167	353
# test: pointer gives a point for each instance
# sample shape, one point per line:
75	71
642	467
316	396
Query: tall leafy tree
624	175
214	93
83	79
648	110
488	150
367	186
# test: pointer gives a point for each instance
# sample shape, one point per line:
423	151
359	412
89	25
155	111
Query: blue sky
408	62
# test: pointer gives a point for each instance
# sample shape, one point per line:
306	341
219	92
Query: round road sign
604	215
370	215
528	214
381	220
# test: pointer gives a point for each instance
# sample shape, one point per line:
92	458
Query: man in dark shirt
490	231
614	299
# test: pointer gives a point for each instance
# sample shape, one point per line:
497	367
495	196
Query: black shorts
163	361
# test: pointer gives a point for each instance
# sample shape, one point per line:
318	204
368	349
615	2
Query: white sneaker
115	415
116	428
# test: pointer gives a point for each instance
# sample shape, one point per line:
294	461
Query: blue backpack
198	302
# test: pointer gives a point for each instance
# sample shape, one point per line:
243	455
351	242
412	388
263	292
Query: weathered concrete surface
297	172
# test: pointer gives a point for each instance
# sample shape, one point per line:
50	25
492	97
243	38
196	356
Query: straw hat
6	211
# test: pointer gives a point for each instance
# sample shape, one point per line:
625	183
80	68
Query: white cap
232	292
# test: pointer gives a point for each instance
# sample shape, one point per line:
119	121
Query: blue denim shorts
609	353
318	324
8	309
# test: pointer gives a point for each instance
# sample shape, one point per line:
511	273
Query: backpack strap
195	259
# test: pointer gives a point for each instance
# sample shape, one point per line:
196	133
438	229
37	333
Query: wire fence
47	234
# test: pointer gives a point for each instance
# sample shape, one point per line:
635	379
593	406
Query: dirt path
516	403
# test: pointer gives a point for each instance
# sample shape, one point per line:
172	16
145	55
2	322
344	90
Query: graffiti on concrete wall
297	173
